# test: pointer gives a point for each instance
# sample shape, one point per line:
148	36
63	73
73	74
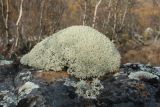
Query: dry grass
145	54
51	76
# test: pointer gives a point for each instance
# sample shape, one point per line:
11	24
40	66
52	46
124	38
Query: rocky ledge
136	85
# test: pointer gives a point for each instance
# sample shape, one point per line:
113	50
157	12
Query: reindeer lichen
83	50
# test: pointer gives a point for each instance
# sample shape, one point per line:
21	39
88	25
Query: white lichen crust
88	90
85	51
27	88
142	75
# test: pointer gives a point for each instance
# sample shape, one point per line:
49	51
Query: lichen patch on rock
27	88
142	75
83	50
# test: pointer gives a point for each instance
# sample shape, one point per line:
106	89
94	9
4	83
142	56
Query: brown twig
5	18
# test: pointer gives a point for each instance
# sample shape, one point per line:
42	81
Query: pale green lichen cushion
85	51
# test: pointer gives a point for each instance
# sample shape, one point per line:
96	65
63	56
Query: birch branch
7	2
2	6
5	18
18	20
124	15
95	13
85	11
109	14
20	13
41	17
115	15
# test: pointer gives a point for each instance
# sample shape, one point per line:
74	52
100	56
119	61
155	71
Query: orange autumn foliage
50	76
145	54
145	12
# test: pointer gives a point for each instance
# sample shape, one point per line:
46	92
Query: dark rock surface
119	90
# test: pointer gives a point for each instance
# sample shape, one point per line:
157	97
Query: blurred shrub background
133	25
